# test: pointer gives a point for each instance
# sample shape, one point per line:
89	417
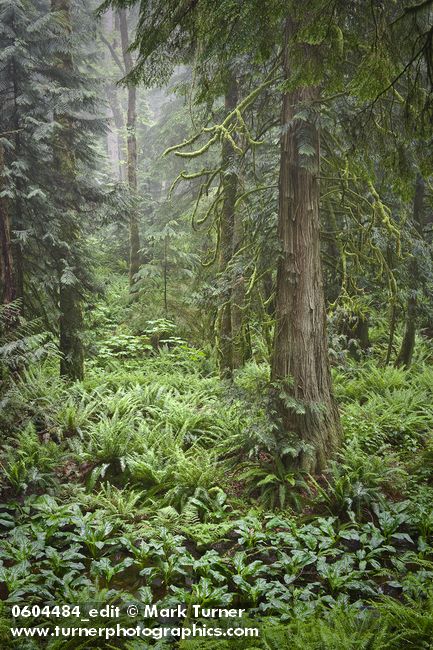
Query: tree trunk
71	317
17	252
112	143
226	239
7	273
134	233
404	357
165	273
240	351
119	127
71	326
269	293
116	134
300	365
362	333
332	280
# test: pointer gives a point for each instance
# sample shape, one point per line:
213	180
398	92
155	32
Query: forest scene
216	321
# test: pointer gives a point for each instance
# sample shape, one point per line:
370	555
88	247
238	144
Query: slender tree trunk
238	301
17	252
165	275
240	332
134	233
226	239
112	142
404	357
7	272
362	332
71	317
269	293
332	288
300	364
119	126
111	90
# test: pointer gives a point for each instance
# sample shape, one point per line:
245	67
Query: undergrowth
153	481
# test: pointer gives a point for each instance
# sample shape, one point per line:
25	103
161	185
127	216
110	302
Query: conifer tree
131	125
300	364
48	128
71	318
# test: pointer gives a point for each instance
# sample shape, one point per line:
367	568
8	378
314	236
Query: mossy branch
221	131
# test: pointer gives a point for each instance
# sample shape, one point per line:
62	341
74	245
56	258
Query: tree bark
226	239
134	233
71	317
300	365
404	357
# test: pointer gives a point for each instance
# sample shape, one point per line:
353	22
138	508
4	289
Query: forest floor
154	481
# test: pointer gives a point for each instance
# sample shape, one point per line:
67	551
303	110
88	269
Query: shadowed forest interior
216	319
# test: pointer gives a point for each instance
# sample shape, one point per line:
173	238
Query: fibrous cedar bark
300	365
71	317
131	143
226	238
